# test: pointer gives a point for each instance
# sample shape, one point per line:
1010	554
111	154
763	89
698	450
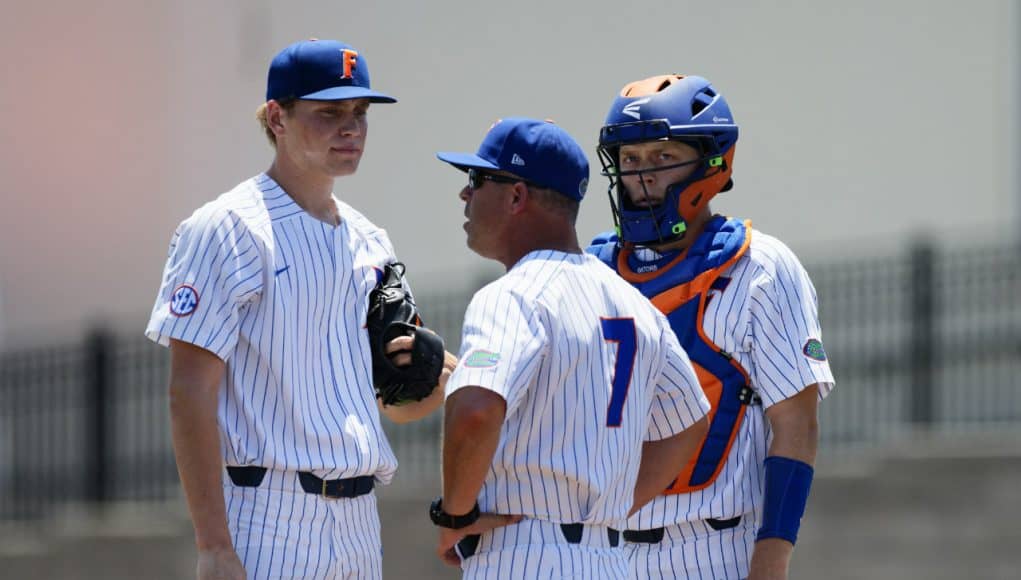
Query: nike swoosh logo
281	270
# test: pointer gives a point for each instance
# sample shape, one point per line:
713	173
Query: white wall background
862	124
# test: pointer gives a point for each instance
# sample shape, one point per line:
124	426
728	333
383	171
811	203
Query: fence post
98	347
923	333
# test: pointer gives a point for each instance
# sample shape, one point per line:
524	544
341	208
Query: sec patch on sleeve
184	300
814	350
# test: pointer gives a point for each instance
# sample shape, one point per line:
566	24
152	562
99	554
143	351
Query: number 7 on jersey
621	331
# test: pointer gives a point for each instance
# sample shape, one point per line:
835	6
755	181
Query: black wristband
445	520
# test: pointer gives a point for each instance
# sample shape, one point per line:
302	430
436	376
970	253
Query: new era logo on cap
555	160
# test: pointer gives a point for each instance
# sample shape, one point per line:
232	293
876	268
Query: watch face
436	513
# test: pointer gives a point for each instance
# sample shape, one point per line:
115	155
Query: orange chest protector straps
681	289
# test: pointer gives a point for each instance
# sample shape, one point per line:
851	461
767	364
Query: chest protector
680	288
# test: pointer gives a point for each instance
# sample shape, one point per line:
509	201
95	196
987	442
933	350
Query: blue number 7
621	331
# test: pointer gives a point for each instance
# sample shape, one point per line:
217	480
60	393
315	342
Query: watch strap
443	519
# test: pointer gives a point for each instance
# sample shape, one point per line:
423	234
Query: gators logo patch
481	359
813	349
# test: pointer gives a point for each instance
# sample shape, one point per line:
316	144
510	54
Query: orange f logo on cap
350	62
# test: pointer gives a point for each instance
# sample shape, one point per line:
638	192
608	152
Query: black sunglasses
477	176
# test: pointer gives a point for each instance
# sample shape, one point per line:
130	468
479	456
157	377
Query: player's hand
449	538
220	565
399	350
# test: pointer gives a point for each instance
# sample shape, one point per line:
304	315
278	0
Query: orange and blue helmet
668	107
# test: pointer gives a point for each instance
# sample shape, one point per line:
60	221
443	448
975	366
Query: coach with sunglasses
569	382
554	177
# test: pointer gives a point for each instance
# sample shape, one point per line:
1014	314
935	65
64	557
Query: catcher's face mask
668	107
647	169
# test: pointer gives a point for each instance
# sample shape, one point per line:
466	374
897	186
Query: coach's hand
220	565
449	538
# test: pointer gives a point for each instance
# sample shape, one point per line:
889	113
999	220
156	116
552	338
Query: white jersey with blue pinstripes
539	337
764	316
282	298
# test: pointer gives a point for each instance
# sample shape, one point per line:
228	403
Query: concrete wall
862	122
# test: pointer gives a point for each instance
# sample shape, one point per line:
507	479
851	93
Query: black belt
251	476
655	535
572	533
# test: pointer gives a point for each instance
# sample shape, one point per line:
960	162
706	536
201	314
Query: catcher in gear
744	309
392	314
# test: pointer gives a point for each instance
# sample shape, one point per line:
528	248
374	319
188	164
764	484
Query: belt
252	476
655	535
572	534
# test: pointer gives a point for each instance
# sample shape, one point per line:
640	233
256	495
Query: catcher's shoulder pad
605	247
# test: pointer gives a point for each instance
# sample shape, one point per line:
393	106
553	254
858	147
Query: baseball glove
392	313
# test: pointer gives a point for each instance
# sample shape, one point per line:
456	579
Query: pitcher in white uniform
263	303
573	403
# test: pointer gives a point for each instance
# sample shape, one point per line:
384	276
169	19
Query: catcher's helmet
674	107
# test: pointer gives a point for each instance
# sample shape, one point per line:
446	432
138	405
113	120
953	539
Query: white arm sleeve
788	353
212	269
502	345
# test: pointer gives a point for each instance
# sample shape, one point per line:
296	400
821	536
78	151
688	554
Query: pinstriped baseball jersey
765	315
282	297
589	370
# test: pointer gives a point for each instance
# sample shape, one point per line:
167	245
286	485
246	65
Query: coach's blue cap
321	70
539	152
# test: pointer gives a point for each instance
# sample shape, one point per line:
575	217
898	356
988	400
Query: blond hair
287	104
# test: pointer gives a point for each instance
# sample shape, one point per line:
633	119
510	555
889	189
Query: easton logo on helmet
631	110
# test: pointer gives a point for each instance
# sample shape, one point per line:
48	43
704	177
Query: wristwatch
445	520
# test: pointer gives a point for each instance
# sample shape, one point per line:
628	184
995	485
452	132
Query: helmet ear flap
699	193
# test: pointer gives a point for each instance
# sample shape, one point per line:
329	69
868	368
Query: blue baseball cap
321	70
539	152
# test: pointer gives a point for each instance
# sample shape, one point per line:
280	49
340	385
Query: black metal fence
928	340
84	422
